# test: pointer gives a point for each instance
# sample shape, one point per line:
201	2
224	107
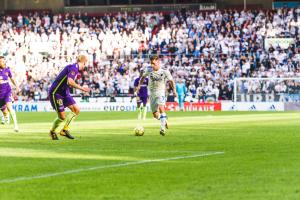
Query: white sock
163	118
14	117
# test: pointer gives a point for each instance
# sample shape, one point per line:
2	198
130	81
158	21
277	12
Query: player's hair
81	58
153	58
1	57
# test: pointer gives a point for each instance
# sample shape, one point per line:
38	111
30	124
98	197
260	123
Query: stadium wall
21	5
2	6
250	4
59	6
170	106
140	8
286	4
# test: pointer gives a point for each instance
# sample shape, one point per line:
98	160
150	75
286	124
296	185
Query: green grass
261	158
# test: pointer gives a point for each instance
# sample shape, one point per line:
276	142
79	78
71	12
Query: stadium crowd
205	49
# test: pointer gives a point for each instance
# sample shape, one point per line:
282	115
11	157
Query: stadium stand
206	49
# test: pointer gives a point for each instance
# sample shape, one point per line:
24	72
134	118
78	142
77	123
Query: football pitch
204	156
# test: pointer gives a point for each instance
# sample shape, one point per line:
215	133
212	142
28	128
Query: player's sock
7	119
56	124
140	113
71	116
14	117
3	119
144	112
163	118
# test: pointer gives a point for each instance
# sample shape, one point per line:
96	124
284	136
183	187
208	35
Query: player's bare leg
70	117
13	116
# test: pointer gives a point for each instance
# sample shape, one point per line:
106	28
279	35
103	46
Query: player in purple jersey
141	96
6	93
60	98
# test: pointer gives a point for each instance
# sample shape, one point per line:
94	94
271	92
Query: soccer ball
139	131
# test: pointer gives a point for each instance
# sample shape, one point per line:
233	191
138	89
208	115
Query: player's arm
136	84
145	74
177	88
12	80
173	87
73	84
138	87
172	83
185	90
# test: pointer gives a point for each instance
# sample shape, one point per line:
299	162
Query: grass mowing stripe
74	171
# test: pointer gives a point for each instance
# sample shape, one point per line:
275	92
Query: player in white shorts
158	78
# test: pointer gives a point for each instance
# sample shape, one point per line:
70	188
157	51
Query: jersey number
59	102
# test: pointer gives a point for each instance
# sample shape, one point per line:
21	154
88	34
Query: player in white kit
158	78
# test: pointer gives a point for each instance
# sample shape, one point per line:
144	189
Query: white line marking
74	171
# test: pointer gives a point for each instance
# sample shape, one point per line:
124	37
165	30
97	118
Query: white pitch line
75	171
